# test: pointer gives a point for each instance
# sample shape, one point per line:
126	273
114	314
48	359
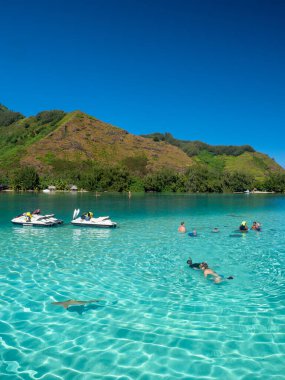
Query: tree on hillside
165	180
50	117
275	182
25	178
193	148
237	181
196	179
8	117
118	179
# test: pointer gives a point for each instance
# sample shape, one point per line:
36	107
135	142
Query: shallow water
156	318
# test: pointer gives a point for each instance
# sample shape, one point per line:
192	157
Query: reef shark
68	303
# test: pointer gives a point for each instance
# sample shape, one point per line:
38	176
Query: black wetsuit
193	265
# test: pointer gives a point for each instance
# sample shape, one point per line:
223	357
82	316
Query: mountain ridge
54	142
83	137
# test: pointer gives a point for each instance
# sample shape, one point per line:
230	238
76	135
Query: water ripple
157	318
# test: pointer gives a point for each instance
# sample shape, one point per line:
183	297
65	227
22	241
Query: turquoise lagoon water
157	318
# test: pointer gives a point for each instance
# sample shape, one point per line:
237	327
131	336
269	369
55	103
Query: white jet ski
87	220
36	219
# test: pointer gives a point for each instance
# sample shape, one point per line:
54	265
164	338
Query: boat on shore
87	220
254	192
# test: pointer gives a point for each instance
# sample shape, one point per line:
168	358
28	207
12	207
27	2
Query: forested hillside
58	148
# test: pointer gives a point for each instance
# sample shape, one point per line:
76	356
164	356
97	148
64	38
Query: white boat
87	220
36	219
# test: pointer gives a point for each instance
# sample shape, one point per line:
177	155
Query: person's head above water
243	223
204	265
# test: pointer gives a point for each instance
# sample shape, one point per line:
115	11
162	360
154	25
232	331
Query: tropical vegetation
60	149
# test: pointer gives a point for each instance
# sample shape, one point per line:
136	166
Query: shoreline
255	192
124	192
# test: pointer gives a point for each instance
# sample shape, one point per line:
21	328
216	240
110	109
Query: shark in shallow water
68	303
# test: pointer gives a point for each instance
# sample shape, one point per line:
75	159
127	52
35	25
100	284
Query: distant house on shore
3	187
73	188
51	188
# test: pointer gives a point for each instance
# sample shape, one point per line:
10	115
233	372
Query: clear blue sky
199	69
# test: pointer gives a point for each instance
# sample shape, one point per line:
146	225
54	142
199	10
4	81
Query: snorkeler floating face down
193	265
217	278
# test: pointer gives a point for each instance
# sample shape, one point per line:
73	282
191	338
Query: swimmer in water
193	265
215	276
256	226
243	227
182	228
215	230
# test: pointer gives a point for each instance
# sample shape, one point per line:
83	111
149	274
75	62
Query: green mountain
54	138
230	158
75	147
8	117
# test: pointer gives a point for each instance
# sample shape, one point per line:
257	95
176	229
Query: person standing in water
256	226
182	228
243	226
